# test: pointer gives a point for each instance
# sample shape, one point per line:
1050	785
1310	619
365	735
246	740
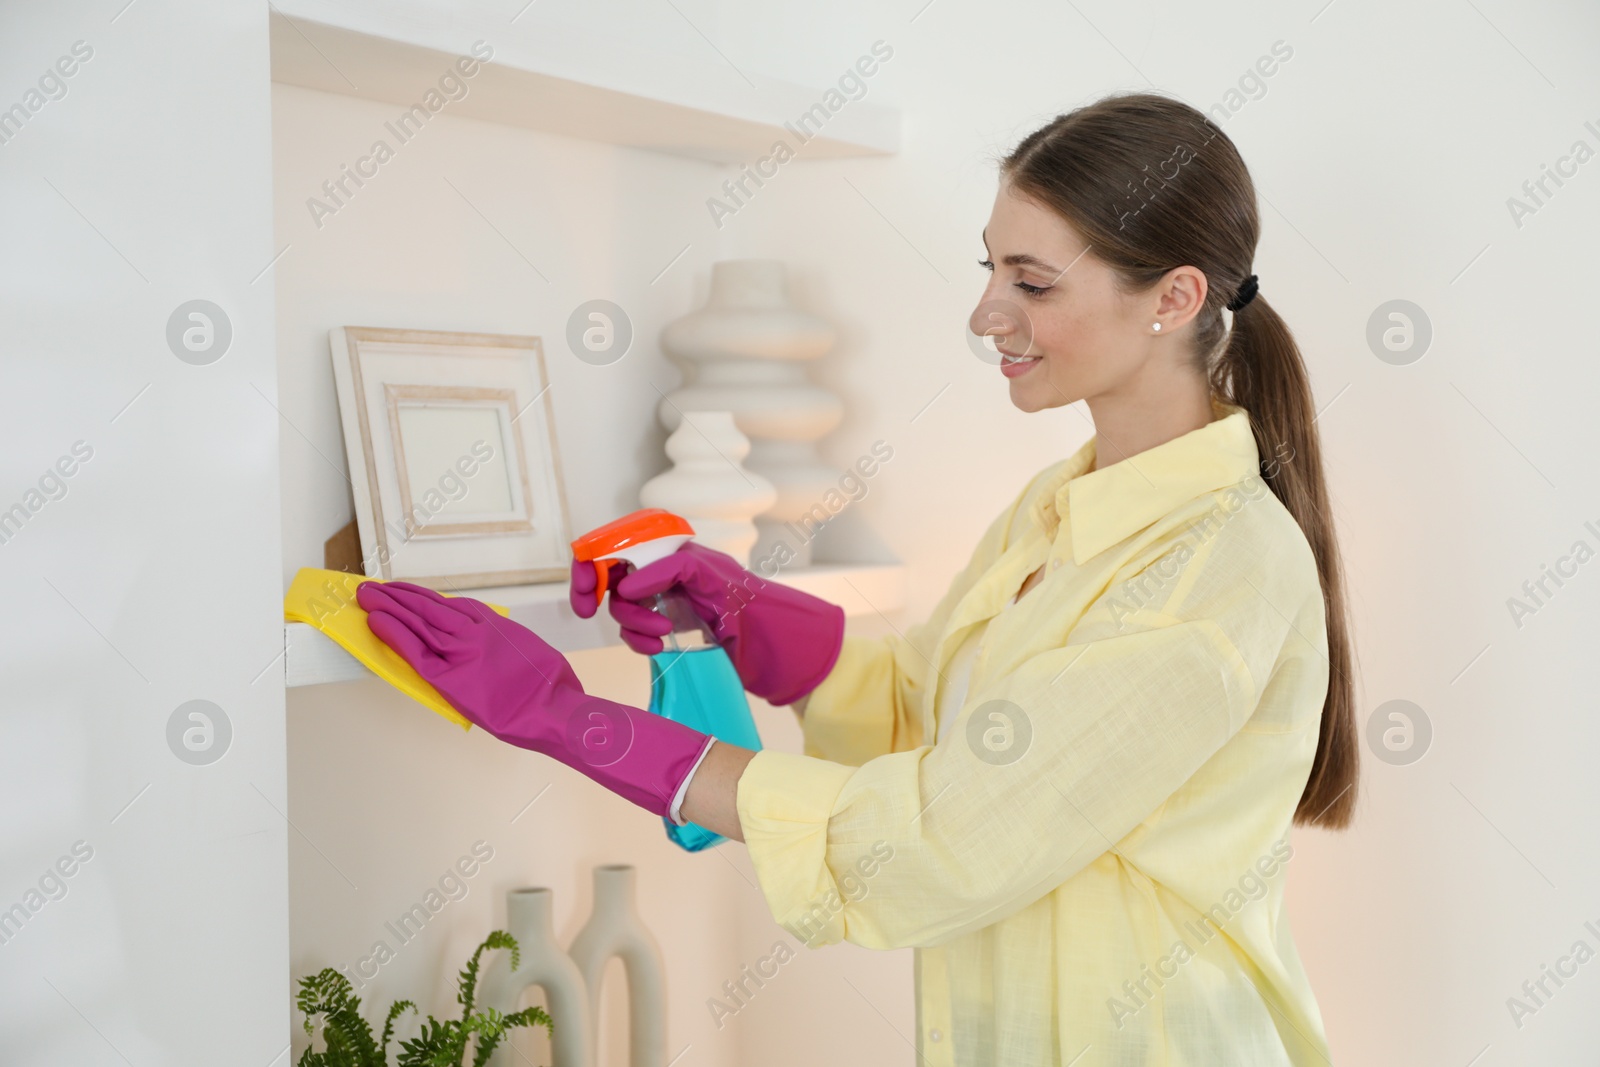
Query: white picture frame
454	466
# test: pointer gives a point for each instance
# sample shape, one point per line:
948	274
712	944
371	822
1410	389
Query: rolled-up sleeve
1094	737
868	704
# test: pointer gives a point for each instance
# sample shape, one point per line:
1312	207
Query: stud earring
1157	327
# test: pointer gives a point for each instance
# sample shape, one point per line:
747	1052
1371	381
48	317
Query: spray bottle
692	681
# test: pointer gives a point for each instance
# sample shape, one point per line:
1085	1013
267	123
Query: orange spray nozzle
639	537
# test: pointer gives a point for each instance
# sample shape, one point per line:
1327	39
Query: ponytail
1261	371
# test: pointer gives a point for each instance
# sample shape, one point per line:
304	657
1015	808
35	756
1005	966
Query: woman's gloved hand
505	678
782	642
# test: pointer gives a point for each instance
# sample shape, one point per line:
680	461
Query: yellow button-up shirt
1091	864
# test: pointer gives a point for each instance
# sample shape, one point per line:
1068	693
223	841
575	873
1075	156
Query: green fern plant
348	1037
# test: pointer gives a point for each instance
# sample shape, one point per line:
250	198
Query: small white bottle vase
709	486
746	352
543	963
615	929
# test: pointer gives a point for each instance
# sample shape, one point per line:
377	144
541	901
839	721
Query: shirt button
934	1035
1054	564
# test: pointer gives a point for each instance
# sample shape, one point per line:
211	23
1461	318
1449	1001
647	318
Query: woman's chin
1026	399
1035	394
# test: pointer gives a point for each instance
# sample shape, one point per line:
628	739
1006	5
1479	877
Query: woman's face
1050	299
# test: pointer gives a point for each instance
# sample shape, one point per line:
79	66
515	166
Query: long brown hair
1152	184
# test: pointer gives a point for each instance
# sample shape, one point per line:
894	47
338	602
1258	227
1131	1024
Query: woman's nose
1002	320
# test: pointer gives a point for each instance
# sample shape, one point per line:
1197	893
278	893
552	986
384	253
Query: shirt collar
1105	506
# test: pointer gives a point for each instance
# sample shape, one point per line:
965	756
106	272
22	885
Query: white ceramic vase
746	352
571	979
543	963
615	929
708	485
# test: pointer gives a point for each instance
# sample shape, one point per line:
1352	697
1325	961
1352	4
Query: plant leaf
497	1026
346	1034
469	977
348	1038
388	1026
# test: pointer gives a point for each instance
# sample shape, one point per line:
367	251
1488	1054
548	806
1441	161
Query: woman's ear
1179	296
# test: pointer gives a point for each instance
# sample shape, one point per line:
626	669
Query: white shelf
570	82
312	658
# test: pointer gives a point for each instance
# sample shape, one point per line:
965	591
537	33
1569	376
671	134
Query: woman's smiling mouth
1013	365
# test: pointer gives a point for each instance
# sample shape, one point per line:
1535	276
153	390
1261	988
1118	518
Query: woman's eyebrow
1022	259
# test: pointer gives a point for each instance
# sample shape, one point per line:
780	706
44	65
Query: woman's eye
1031	290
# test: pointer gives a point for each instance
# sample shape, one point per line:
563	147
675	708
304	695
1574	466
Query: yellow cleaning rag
327	600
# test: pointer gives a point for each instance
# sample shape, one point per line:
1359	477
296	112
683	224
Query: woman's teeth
1012	366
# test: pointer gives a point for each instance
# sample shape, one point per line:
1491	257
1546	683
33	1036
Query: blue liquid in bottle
699	688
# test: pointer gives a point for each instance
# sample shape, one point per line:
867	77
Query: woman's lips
1014	366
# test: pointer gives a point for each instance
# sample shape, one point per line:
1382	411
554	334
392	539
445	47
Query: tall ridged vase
543	963
746	352
615	929
708	485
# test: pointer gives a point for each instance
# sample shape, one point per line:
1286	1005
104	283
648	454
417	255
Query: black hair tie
1246	293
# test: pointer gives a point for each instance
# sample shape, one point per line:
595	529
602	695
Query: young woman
1071	789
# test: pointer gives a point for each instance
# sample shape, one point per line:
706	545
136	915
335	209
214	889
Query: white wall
1385	151
154	580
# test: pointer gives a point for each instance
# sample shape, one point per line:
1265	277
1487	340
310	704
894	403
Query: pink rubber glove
505	678
782	642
